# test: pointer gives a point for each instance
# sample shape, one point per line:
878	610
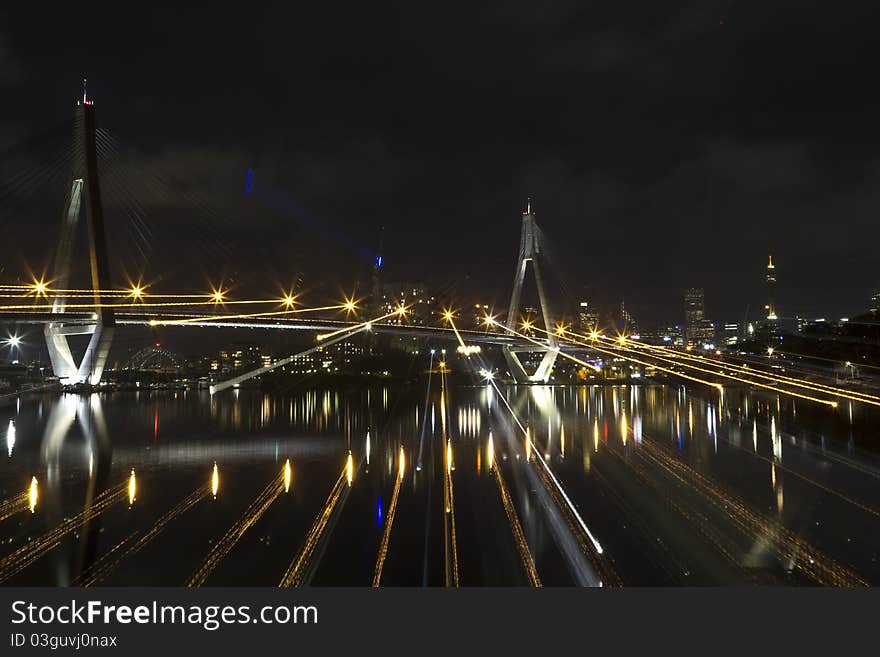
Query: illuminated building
588	317
330	358
875	303
421	305
239	357
697	329
730	333
628	324
667	336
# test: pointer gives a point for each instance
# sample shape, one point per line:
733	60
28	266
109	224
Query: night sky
665	145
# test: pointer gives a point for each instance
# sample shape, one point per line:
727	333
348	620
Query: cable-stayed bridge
520	460
100	308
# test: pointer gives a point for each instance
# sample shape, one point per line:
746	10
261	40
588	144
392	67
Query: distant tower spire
771	284
85	97
528	205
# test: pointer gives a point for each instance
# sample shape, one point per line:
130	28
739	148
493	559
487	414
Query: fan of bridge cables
158	222
558	265
30	168
148	205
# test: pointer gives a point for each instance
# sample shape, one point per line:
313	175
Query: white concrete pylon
85	190
529	250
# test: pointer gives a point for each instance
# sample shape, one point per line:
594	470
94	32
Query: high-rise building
628	323
771	288
697	329
693	307
420	303
588	316
875	303
730	333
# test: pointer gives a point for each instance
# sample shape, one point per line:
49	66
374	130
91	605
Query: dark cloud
10	68
665	144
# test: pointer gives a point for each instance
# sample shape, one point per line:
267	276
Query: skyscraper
693	307
628	323
697	329
588	316
771	287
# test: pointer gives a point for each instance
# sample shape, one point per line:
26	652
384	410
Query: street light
13	342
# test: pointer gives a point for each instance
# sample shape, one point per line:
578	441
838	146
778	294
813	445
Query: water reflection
667	479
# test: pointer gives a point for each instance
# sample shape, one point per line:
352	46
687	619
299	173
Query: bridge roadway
294	324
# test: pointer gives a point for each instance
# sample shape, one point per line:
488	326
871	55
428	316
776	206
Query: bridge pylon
529	250
84	190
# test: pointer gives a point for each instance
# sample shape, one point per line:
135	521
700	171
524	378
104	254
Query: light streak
552	478
225	543
612	353
295	573
27	554
519	536
215	318
389	521
367	325
133	304
718	386
107	563
771	376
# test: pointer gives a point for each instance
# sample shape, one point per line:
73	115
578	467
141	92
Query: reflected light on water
349	468
215	481
132	488
288	475
490	453
401	459
10	438
33	494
